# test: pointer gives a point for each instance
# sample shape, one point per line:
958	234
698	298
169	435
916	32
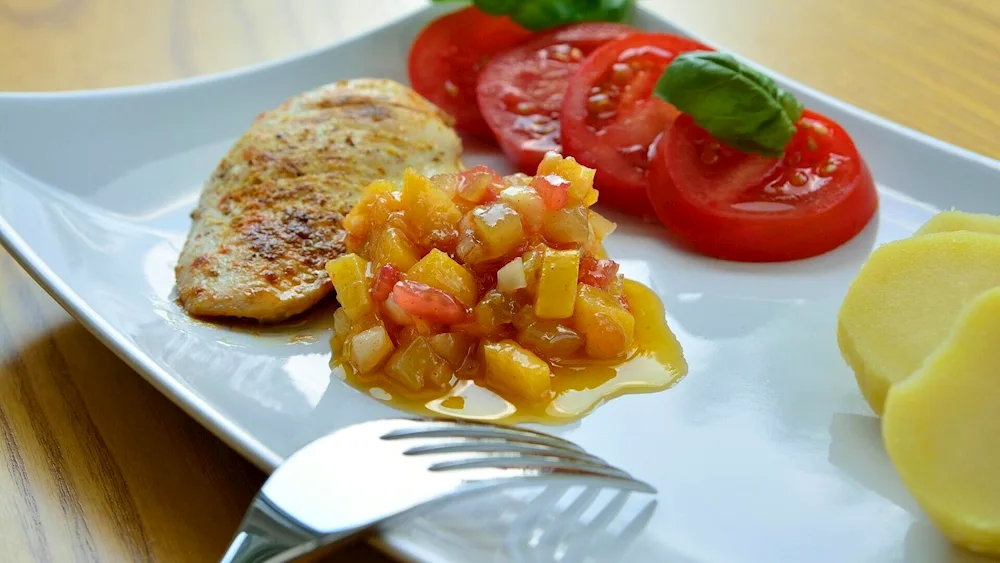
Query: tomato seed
575	54
598	103
621	73
451	88
525	108
798	178
828	168
811	143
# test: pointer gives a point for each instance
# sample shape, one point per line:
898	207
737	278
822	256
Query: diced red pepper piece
431	304
553	189
597	272
386	277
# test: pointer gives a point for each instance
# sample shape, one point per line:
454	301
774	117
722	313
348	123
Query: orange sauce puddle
657	364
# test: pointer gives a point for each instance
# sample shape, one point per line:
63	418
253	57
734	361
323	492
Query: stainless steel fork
353	480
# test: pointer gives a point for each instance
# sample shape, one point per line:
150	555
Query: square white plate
766	452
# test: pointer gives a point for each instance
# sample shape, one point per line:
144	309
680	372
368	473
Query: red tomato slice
610	117
521	91
447	56
737	206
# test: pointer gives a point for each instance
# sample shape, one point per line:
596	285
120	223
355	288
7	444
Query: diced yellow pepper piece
581	178
607	327
556	294
430	212
349	274
391	246
438	270
516	370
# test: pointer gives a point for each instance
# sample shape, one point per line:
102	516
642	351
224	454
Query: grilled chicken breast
269	217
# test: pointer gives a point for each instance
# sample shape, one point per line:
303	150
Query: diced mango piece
391	246
516	370
432	215
904	300
498	228
349	274
941	427
440	271
608	328
580	177
417	366
948	221
557	277
569	225
369	348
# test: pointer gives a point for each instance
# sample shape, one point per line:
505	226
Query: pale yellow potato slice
949	221
941	428
904	301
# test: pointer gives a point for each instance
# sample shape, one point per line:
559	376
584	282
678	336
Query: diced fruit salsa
497	283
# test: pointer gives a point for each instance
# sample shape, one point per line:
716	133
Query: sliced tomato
521	91
737	206
447	56
610	116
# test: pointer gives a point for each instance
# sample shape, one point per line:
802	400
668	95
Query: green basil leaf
739	106
542	14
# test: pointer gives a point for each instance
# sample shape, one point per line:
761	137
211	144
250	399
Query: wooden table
98	466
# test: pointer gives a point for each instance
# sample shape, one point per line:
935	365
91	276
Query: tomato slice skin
610	117
447	56
736	206
521	90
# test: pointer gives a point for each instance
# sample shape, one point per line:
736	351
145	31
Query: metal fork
349	482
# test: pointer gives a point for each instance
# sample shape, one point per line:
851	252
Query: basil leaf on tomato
542	14
738	105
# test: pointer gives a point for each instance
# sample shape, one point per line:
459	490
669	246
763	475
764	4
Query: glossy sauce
656	364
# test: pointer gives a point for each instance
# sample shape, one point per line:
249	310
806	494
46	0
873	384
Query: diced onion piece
453	346
369	348
511	278
395	313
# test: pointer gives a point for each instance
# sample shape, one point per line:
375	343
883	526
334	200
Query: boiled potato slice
948	221
904	301
941	428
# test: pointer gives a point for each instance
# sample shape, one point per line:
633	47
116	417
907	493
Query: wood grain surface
99	467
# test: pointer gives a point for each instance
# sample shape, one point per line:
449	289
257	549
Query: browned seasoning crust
269	217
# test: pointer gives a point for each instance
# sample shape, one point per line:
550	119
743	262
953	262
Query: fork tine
445	429
475	445
522	465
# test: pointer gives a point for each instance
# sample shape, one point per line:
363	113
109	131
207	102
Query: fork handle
265	534
268	536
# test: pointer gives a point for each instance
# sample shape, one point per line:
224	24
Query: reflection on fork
554	523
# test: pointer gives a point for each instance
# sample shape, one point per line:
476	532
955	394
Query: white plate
766	452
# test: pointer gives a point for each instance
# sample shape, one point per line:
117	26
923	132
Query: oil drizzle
657	364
